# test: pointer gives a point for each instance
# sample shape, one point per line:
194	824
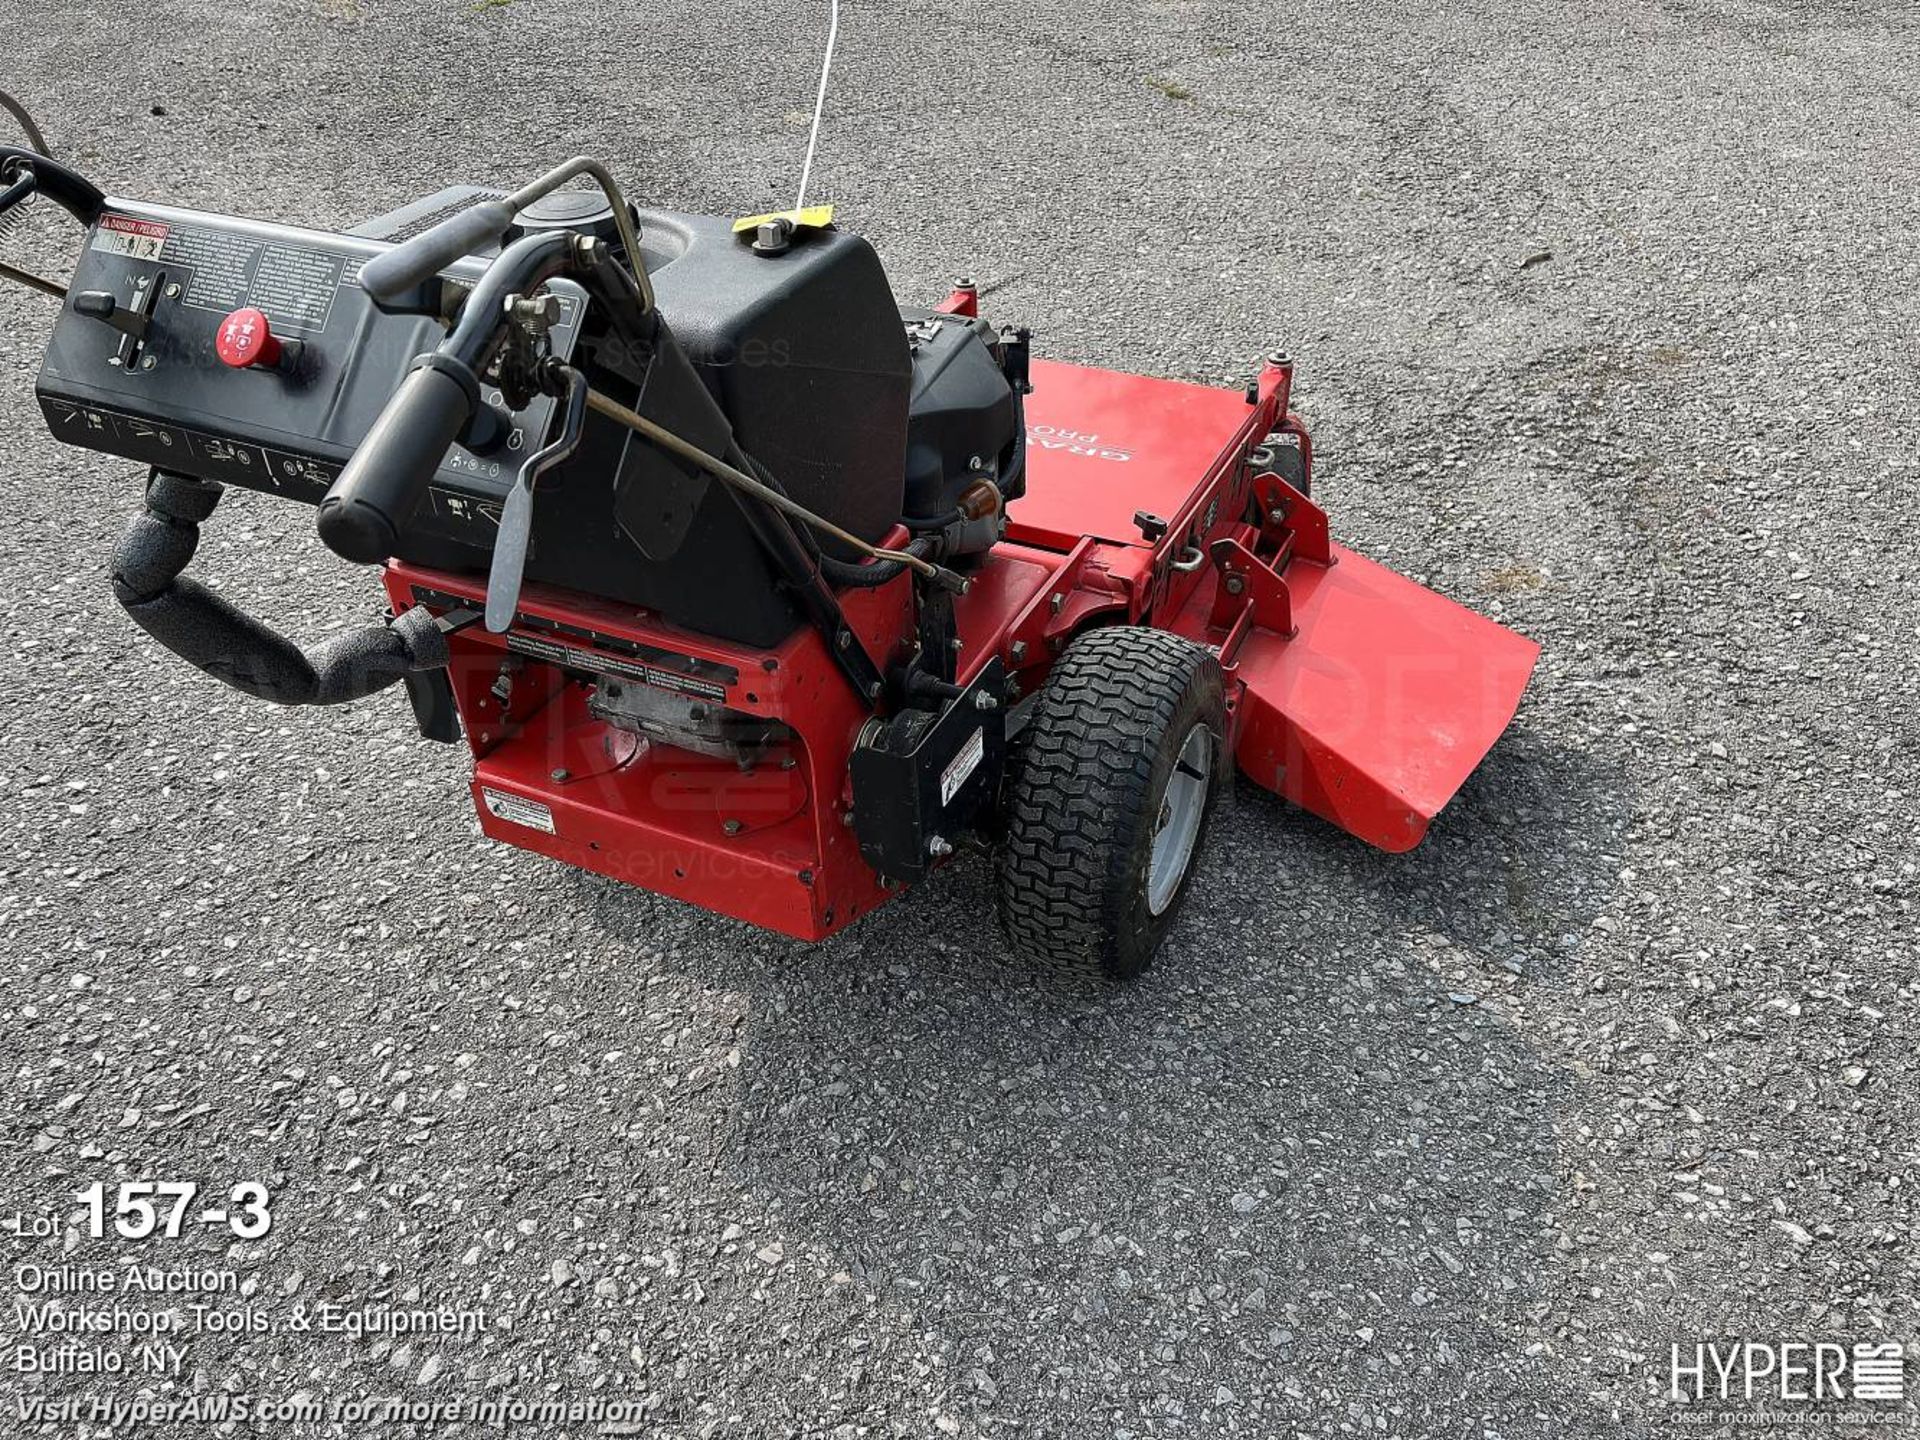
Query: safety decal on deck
962	765
123	235
517	809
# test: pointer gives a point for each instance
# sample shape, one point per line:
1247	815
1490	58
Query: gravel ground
1605	319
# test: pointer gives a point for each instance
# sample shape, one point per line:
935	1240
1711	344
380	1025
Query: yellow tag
814	217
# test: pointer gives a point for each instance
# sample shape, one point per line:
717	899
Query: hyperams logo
1788	1371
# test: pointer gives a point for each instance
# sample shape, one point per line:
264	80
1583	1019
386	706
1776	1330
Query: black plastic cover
964	419
804	353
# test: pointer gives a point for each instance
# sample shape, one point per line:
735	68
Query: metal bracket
1250	593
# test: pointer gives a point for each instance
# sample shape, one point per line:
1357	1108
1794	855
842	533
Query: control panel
246	352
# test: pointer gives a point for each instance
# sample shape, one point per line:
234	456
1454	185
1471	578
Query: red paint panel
1101	445
766	847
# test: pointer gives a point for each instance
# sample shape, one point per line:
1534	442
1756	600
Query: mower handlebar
366	511
391	275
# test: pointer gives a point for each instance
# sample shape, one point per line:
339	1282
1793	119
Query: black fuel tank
805	352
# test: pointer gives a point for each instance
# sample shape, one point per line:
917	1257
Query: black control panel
246	352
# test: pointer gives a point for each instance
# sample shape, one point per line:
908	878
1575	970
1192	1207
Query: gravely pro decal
1075	442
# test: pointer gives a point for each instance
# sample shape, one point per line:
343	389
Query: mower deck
1357	694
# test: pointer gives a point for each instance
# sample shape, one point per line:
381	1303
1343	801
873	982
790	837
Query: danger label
517	809
136	239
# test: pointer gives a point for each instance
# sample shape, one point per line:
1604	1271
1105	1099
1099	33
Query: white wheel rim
1177	823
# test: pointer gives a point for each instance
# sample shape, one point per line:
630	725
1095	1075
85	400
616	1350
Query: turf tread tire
1085	778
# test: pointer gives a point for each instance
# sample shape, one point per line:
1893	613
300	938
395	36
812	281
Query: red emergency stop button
245	338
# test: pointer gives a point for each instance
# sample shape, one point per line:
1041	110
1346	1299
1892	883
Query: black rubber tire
1085	781
1291	466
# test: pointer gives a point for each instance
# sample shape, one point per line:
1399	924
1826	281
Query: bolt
732	827
1278	517
561	776
843	639
173	292
1018	651
148	363
1235	584
983	701
774	237
939	847
536	312
1057	603
1279	357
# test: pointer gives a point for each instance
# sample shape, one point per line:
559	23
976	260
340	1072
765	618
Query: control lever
99	305
516	519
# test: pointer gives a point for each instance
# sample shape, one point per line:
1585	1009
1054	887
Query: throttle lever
516	519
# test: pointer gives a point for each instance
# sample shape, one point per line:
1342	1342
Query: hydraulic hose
852	575
213	635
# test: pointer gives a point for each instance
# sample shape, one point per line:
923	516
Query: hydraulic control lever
516	520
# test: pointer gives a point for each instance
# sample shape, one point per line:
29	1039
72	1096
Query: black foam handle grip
391	275
369	505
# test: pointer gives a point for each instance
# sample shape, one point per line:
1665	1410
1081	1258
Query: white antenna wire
819	105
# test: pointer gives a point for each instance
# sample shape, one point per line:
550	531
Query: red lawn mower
745	584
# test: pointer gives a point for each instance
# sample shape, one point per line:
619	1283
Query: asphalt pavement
1605	320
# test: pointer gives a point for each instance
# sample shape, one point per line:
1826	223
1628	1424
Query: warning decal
123	235
963	765
292	285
